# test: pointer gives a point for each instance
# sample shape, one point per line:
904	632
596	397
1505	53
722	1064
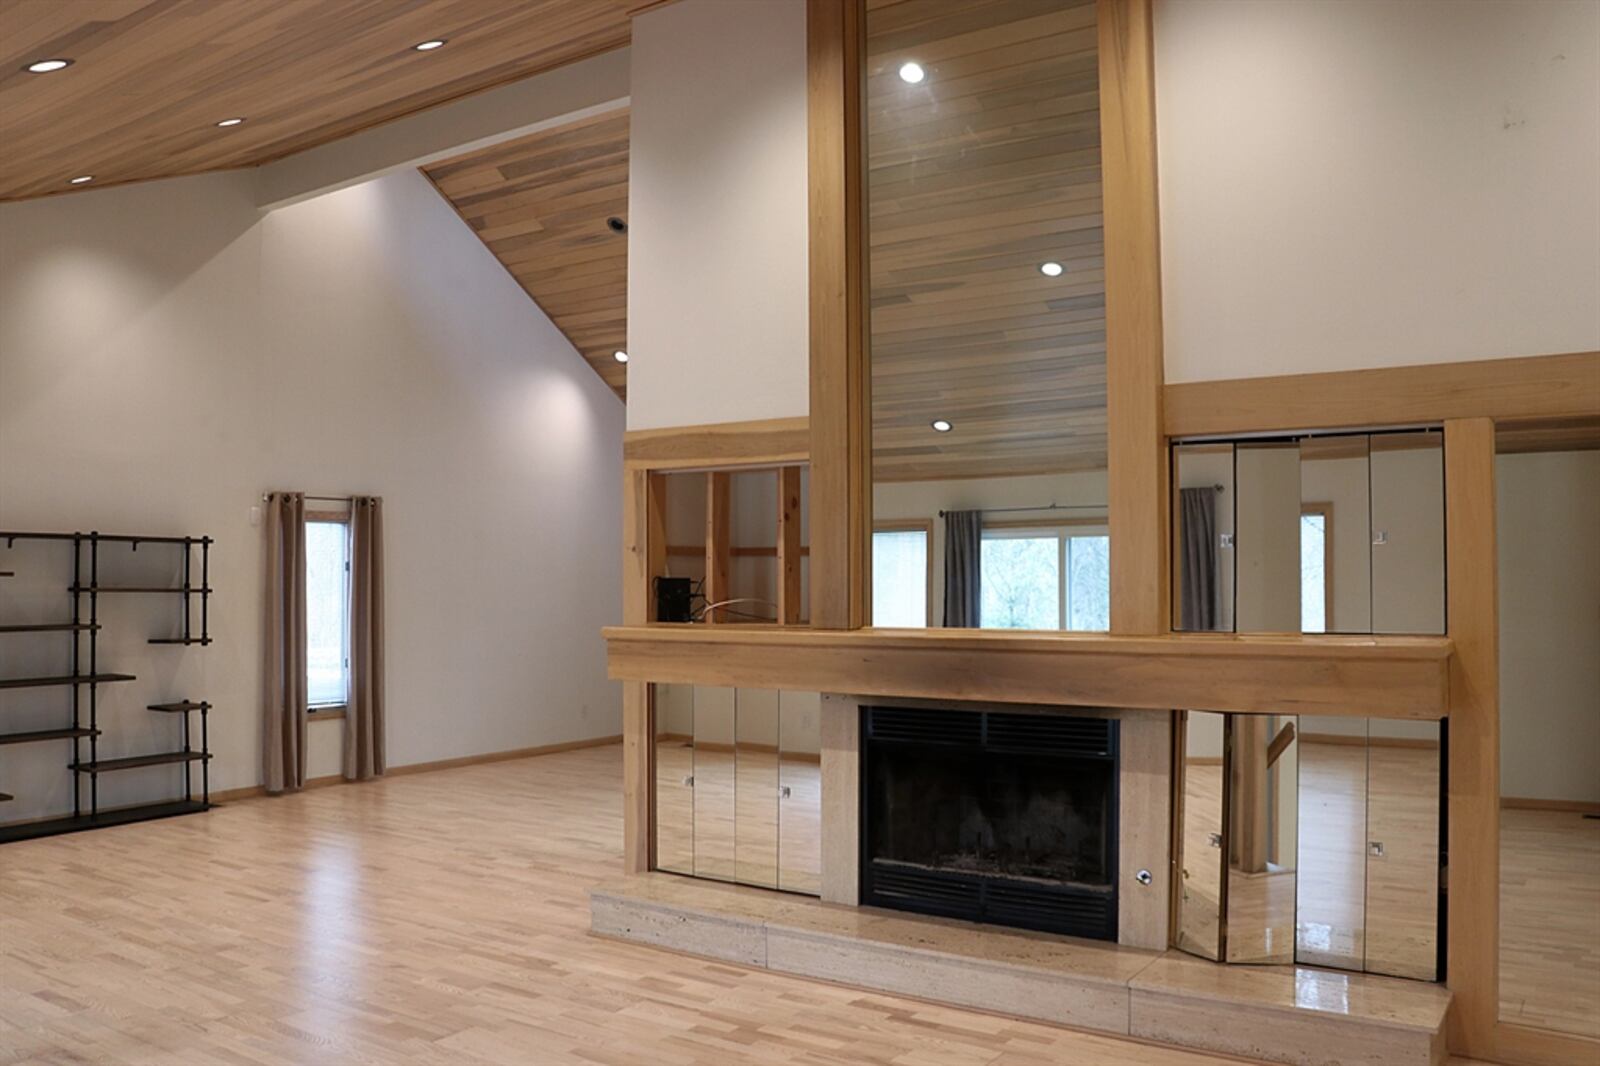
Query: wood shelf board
1386	677
67	679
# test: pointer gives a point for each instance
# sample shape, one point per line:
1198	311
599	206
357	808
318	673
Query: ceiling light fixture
428	46
941	426
1051	270
230	122
621	357
84	180
911	73
45	66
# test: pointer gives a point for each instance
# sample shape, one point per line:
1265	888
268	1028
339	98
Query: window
1314	574
327	612
900	576
1046	579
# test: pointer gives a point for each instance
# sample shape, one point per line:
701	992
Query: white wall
718	214
1356	183
167	354
1548	514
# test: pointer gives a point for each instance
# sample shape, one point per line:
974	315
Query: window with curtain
1046	578
900	577
327	613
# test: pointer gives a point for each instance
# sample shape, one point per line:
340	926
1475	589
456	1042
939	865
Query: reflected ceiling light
83	180
230	122
428	46
45	66
1051	270
621	357
911	73
941	426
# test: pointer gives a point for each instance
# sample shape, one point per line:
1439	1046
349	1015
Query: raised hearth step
1283	1014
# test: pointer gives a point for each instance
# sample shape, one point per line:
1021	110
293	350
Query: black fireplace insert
1003	818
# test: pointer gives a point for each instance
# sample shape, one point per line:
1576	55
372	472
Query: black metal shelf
6	797
70	733
200	591
104	819
191	583
69	679
181	707
134	762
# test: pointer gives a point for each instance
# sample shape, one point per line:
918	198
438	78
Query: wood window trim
326	713
914	525
340	517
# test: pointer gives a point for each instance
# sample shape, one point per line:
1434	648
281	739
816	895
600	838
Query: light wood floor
1550	920
436	919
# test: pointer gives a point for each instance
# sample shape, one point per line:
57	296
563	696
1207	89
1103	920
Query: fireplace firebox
1009	819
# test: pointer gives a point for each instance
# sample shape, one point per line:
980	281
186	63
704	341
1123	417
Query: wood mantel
1382	677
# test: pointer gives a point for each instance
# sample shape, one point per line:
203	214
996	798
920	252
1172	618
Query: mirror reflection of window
1045	579
1313	571
900	577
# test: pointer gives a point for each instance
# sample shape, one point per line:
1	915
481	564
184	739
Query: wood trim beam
643	548
1473	942
1541	386
719	528
1382	677
840	385
1136	448
756	442
789	549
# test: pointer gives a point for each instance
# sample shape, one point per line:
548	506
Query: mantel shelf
1383	677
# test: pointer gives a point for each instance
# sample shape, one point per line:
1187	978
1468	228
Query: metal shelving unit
86	677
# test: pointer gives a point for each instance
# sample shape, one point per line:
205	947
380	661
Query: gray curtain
1198	593
363	718
963	547
284	666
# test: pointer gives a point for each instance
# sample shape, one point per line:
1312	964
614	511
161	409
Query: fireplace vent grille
1053	734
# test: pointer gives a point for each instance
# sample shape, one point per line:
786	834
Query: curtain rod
1052	507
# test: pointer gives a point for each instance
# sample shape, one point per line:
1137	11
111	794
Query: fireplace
1003	818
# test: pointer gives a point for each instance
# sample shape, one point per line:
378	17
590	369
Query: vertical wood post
789	549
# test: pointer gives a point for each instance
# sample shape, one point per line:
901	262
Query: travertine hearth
1295	1015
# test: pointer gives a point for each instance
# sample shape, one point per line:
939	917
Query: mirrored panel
1330	913
714	782
1262	823
1548	511
756	787
800	792
1408	532
987	322
1200	855
1334	536
1202	520
1267	544
1403	798
674	773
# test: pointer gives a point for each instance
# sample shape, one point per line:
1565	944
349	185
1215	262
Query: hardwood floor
1550	921
434	918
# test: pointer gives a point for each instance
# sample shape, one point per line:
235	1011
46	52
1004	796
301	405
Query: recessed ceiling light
84	180
1051	270
428	46
911	73
230	122
45	66
941	426
621	357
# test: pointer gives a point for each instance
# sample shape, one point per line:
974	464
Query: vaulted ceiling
977	174
544	205
150	79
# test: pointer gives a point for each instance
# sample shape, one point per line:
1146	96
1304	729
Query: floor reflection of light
330	932
1316	936
1321	990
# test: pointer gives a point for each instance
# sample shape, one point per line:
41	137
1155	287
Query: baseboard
251	791
1518	803
1368	742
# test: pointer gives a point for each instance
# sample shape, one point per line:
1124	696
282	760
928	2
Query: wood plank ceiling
150	79
541	204
987	168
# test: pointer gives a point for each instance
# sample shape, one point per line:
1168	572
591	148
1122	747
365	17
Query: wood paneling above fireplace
1383	677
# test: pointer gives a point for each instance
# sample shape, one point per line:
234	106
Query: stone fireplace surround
1136	987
